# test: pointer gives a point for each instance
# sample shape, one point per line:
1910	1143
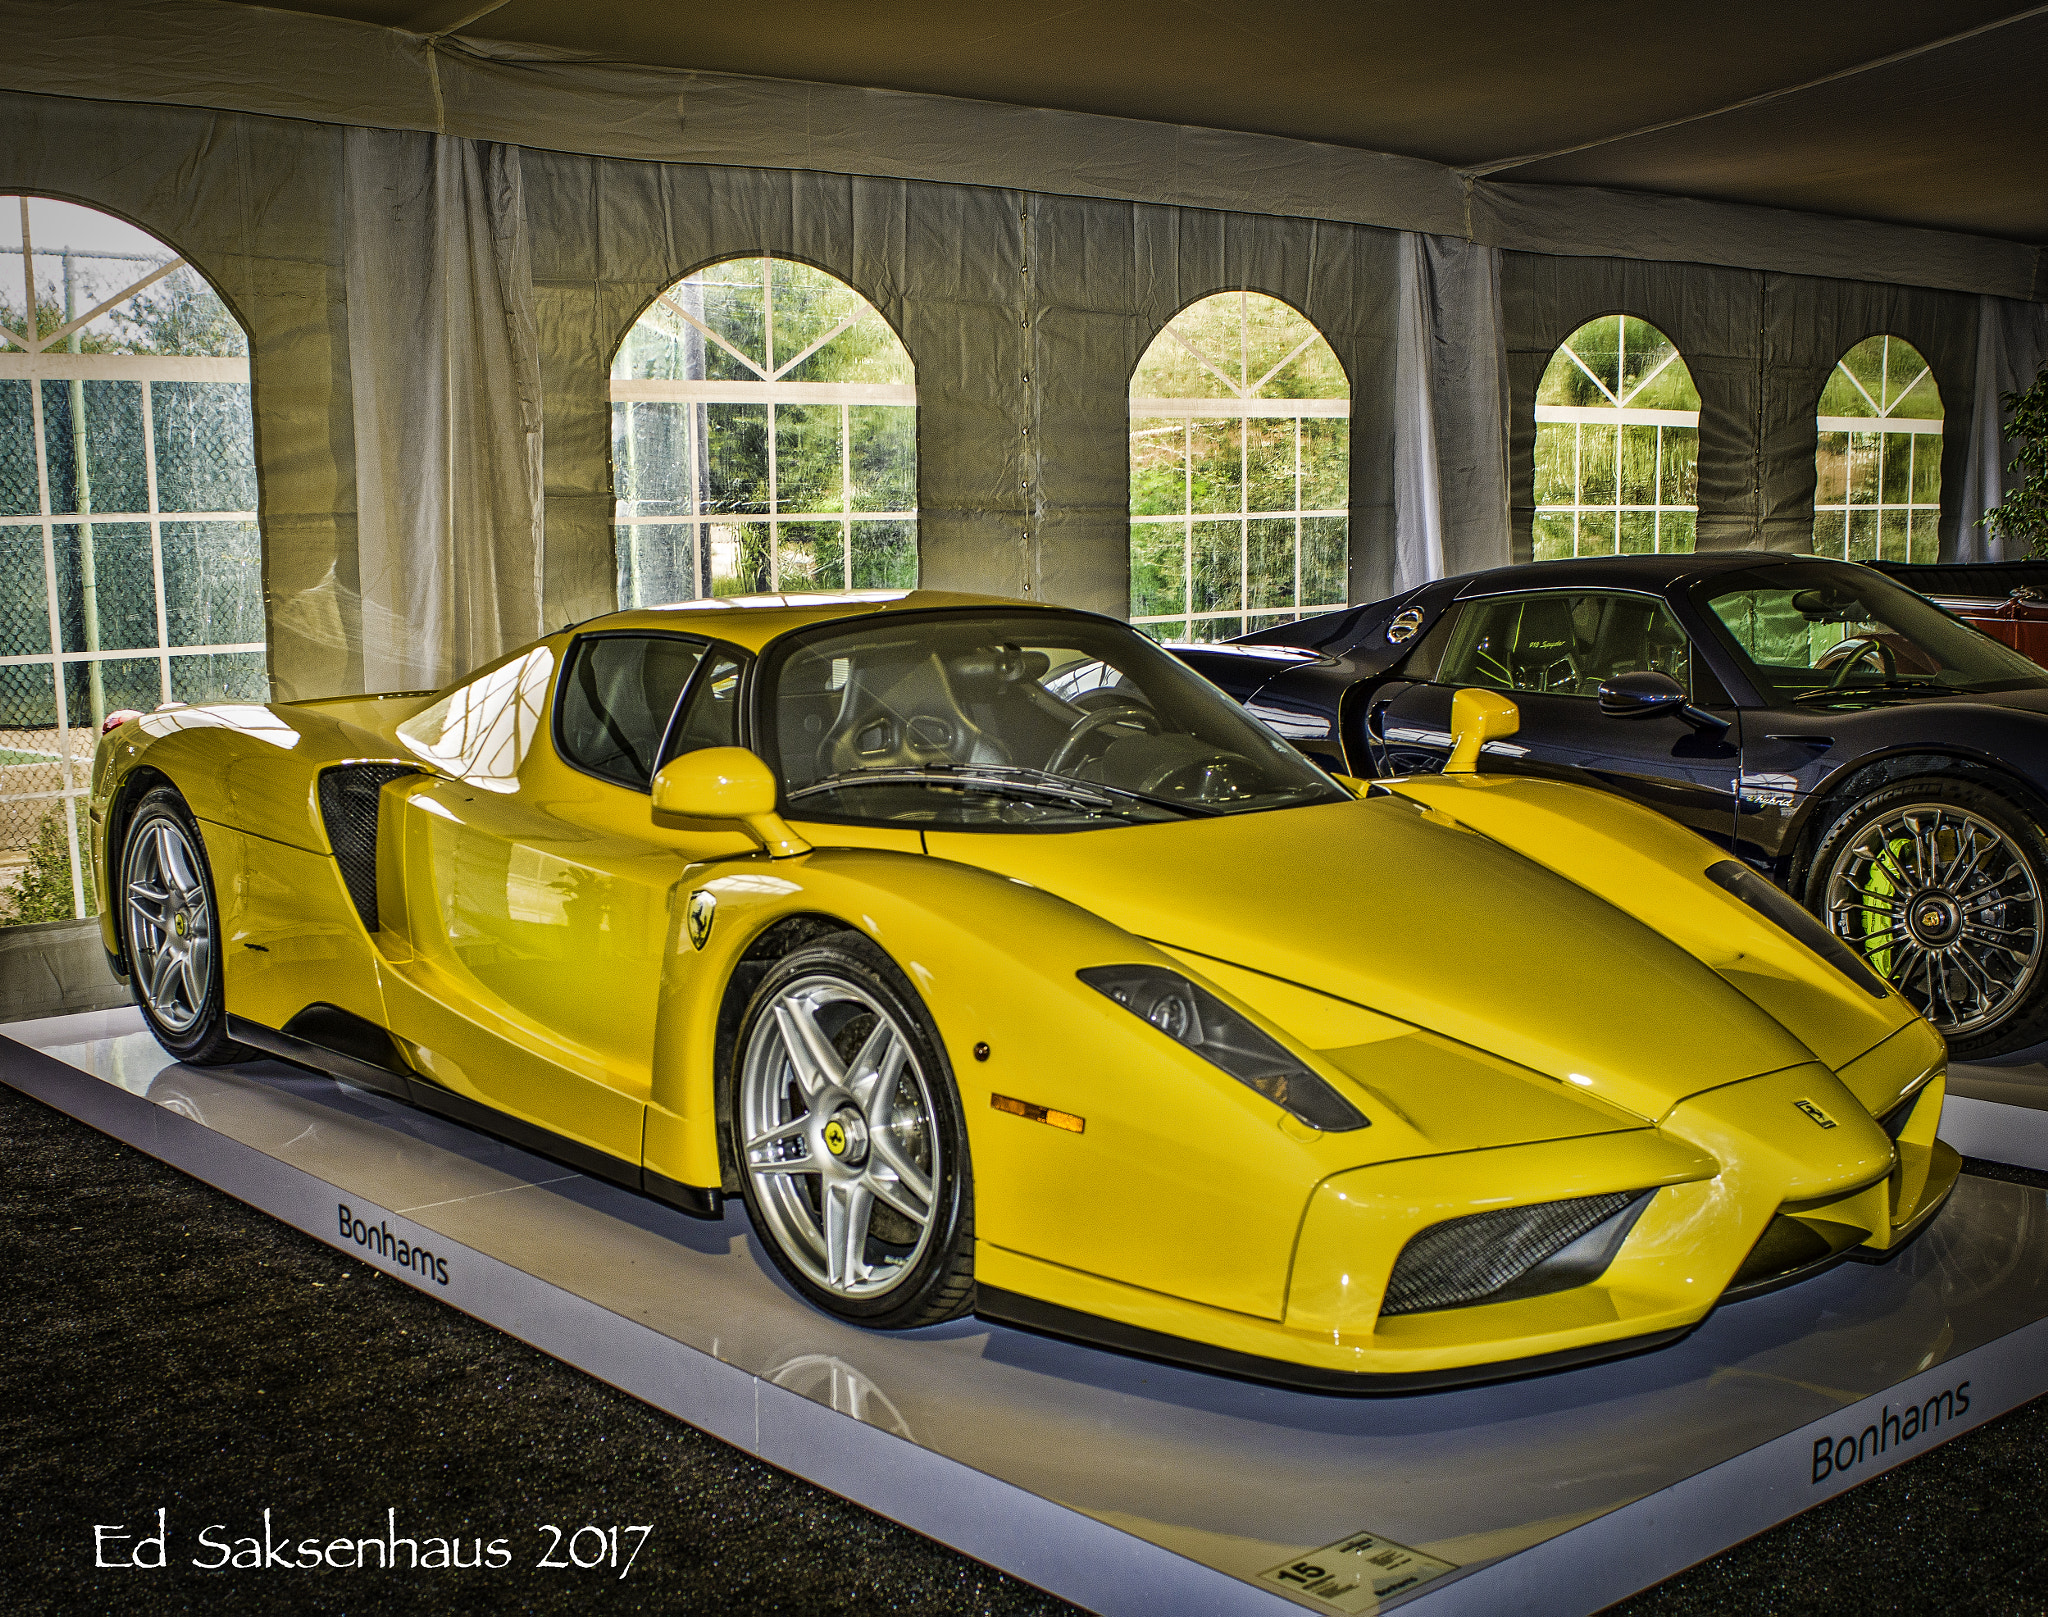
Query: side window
616	700
482	730
711	717
1567	644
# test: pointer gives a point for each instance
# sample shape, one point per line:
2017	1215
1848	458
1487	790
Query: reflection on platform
1237	1476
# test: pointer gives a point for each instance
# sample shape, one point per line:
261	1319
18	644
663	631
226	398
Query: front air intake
1514	1252
348	805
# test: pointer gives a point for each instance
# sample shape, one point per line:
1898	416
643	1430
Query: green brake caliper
1880	919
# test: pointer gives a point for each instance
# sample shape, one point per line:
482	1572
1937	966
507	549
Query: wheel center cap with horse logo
846	1136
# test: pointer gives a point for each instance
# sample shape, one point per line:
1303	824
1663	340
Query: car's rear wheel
170	932
1940	885
850	1143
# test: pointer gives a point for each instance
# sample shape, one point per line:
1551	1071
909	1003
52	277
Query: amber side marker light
1039	1114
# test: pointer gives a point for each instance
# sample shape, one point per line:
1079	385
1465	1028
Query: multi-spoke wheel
849	1139
1939	885
169	924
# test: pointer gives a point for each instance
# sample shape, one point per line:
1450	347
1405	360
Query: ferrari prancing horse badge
698	917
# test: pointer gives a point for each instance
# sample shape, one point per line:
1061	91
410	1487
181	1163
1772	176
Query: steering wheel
1089	725
1867	643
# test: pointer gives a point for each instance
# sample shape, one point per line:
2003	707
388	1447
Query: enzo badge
698	917
1815	1113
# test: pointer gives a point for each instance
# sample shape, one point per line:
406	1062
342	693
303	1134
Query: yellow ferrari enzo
1002	964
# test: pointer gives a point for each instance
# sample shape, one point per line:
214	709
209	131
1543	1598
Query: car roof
1652	572
752	621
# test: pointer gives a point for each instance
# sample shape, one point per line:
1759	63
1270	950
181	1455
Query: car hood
1408	913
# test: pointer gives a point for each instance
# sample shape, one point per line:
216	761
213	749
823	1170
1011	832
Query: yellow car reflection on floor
1001	964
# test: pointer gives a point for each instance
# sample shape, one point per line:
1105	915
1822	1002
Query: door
1550	650
537	885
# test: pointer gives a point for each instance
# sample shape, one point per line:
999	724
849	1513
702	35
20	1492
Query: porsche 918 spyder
1883	762
1001	964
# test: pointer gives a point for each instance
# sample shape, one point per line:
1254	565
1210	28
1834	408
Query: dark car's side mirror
1645	692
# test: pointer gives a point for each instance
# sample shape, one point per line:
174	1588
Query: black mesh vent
1466	1260
348	803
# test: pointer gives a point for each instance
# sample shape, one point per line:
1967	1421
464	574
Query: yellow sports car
1002	964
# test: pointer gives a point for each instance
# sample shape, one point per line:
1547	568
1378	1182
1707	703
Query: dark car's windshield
1823	635
1023	720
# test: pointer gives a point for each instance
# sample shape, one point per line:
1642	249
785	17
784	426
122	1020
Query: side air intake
1515	1252
348	804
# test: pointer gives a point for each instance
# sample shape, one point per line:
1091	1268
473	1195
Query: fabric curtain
1450	423
2012	346
281	63
446	394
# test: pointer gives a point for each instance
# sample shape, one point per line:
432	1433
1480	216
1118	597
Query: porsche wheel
1940	886
170	928
851	1146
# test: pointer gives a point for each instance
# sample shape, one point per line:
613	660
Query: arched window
1877	495
131	570
1617	444
1240	471
764	437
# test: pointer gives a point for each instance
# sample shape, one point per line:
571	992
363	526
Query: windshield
1015	720
1823	635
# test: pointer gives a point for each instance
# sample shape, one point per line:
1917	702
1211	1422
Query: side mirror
725	783
1478	717
1644	693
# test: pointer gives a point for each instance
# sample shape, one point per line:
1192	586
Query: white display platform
1122	1485
2000	1113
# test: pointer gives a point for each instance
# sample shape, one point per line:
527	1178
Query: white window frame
1616	413
711	530
36	359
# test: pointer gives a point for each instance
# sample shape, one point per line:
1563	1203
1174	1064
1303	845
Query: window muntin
764	437
959	721
617	697
1617	444
131	568
1812	634
1877	485
1240	471
1565	643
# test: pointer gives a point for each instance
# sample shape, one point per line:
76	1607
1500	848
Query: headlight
1193	1017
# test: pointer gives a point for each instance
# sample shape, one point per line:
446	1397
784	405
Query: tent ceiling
1891	110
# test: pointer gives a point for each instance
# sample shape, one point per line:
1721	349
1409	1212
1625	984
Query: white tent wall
1024	314
2012	349
1760	347
1023	311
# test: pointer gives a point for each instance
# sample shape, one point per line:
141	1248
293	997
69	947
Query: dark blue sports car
1885	762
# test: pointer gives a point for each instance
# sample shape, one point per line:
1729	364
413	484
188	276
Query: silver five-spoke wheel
170	923
835	1130
1940	901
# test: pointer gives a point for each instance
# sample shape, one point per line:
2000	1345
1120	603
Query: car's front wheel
850	1143
1940	885
170	930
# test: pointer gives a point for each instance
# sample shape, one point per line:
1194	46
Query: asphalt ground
169	1348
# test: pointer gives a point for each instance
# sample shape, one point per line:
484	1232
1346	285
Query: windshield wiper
1883	687
999	777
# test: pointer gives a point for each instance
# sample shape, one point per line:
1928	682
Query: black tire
1940	884
921	1274
189	1019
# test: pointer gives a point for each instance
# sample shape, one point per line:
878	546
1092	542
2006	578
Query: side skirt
1049	1319
415	1090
